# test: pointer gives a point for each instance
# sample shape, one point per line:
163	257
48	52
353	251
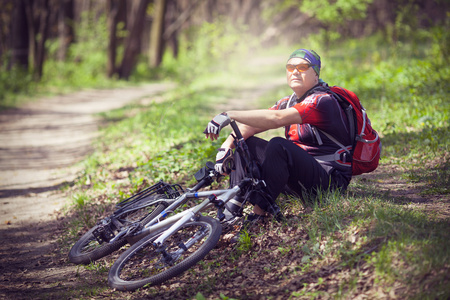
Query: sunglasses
301	67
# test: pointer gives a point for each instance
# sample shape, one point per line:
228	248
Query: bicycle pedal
103	234
220	215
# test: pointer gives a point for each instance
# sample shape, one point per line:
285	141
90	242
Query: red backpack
366	149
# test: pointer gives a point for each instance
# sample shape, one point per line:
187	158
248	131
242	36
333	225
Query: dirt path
42	141
39	146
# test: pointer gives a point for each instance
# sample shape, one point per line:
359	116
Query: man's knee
275	146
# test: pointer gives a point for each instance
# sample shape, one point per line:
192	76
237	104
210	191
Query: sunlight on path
40	143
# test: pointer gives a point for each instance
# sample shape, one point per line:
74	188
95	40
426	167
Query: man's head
302	70
309	55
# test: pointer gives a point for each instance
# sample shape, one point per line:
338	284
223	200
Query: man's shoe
234	205
252	219
276	213
229	222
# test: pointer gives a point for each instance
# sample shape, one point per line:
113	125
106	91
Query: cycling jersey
319	111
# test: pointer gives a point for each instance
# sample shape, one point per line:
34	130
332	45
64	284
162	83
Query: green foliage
401	244
416	244
336	12
244	242
13	82
333	14
441	43
99	267
79	200
207	49
329	221
436	177
199	296
82	204
85	64
161	142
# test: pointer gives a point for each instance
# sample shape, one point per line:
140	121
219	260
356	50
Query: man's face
300	82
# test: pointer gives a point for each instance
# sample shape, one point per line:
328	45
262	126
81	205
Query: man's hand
221	156
216	124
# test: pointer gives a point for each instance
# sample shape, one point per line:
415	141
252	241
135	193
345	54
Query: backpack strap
349	112
337	156
336	142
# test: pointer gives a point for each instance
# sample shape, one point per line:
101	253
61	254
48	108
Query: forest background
50	45
377	242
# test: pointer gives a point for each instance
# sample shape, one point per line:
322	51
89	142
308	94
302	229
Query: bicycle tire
135	267
87	249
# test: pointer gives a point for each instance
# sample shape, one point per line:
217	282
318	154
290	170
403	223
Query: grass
244	243
375	241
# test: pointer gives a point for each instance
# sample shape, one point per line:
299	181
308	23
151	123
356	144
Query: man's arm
256	121
264	119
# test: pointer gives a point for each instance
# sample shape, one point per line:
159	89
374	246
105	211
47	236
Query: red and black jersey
319	110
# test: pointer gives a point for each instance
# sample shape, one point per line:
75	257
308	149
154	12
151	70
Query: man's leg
288	164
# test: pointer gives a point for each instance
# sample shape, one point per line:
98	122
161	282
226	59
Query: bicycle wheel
88	249
142	264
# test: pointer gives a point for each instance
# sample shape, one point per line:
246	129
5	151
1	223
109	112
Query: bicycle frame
176	221
216	198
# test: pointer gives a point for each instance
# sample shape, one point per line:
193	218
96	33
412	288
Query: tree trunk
210	10
171	31
20	36
44	14
37	18
65	27
132	42
31	32
171	39
156	37
114	7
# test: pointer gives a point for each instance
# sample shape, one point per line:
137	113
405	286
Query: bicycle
174	242
126	224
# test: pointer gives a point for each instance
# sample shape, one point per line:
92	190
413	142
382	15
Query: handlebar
205	176
236	130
